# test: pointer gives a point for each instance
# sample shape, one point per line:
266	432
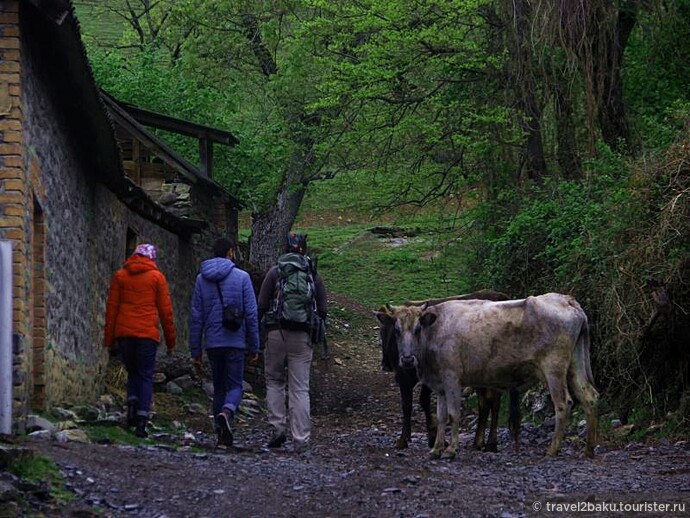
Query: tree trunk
612	115
566	153
271	226
534	147
525	87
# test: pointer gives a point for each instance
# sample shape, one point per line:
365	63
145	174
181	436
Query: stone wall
70	235
84	227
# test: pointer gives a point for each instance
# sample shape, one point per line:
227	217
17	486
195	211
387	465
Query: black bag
317	329
233	317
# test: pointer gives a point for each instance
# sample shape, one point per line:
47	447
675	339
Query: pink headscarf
146	250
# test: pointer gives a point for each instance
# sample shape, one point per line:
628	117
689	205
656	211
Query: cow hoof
589	453
477	447
492	448
449	454
400	444
435	454
552	453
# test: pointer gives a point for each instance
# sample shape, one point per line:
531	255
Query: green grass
38	469
99	22
115	434
374	269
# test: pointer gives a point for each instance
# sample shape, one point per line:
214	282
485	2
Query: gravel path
352	468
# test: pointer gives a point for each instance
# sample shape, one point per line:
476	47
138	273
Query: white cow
507	344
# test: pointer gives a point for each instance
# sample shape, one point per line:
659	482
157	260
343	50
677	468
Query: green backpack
295	299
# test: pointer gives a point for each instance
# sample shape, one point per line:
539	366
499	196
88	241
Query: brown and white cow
507	344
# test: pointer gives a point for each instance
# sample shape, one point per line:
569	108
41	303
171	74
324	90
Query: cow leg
562	403
494	400
425	403
442	415
588	397
454	404
406	386
514	417
483	409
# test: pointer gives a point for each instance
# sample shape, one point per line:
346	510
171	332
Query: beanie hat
147	250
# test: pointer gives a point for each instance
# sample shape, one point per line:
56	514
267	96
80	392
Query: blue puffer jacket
206	316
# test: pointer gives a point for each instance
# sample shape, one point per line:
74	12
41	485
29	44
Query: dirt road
353	470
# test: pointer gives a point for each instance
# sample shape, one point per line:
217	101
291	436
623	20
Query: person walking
289	294
138	301
224	321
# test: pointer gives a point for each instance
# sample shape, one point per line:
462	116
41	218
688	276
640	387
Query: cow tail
583	342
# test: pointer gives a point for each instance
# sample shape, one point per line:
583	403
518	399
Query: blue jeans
227	369
139	357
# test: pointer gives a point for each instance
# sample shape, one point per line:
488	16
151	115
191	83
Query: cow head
406	324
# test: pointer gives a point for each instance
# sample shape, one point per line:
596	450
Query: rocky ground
352	468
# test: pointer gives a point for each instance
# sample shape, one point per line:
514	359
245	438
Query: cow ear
386	309
427	319
385	318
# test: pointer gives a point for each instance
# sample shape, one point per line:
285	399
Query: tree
591	36
273	165
424	96
389	87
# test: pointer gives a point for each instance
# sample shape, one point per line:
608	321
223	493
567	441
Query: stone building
83	178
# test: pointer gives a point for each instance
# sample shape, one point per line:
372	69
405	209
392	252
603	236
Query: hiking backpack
295	299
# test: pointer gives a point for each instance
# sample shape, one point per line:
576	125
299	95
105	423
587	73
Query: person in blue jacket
220	278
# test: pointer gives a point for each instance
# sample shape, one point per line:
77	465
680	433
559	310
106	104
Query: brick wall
14	223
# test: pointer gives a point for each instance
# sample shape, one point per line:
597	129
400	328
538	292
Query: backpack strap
220	293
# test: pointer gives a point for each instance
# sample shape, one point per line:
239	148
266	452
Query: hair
221	247
296	243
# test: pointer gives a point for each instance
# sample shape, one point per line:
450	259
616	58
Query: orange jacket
138	296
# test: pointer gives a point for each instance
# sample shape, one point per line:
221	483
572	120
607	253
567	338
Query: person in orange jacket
138	300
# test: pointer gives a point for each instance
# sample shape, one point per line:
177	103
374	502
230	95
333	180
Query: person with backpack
224	321
138	304
292	305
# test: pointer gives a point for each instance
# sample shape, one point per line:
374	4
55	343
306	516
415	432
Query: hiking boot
277	441
224	422
132	409
140	428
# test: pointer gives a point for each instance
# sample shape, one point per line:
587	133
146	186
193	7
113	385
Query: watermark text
546	506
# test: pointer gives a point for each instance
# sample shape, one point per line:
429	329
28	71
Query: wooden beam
136	158
191	129
206	157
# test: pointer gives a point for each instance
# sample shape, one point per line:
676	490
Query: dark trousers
227	369
139	357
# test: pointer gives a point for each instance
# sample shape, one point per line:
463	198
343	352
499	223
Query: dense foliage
540	146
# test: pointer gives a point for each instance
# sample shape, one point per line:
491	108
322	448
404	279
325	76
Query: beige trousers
288	356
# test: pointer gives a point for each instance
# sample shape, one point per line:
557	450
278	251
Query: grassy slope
422	261
97	21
